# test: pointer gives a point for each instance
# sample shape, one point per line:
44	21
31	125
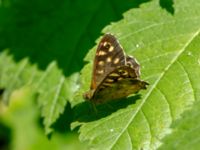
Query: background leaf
21	124
167	47
52	99
185	131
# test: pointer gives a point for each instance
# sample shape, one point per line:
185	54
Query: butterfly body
115	75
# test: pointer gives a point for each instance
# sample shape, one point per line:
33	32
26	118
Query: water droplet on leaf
199	61
189	54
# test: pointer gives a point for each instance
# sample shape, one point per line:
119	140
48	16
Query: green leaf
185	131
53	88
50	84
168	49
14	75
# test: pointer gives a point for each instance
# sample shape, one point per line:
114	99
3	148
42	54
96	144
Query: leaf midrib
155	84
52	110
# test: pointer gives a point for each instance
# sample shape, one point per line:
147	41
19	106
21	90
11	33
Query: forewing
109	55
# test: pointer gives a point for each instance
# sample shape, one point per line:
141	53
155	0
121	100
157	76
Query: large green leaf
168	49
185	131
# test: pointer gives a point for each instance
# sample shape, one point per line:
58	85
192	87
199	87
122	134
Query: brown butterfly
115	75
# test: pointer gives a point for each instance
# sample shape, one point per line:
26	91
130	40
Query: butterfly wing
115	75
132	62
119	83
109	55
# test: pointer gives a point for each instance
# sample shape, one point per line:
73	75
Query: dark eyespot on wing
132	63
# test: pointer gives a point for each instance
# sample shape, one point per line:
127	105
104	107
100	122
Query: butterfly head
143	84
88	95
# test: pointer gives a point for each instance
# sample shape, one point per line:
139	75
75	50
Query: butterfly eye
121	71
129	64
106	45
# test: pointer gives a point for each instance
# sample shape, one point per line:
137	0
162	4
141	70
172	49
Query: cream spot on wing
100	71
101	63
105	43
116	60
121	71
119	79
102	53
107	84
109	59
114	75
111	49
109	80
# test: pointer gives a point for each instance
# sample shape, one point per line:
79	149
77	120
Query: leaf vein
59	87
149	127
185	70
167	101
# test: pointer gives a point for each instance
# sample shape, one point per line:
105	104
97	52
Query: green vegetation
46	58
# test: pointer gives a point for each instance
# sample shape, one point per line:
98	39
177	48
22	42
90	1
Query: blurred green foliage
45	31
21	128
41	35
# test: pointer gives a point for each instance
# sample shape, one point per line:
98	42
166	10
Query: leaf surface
168	49
186	131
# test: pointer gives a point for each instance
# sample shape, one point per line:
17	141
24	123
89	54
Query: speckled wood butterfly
115	74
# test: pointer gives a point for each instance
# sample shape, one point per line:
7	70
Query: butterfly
115	74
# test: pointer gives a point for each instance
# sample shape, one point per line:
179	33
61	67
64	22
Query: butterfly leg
94	108
109	106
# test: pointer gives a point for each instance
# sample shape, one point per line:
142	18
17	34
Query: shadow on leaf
62	125
84	112
1	92
5	136
168	5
